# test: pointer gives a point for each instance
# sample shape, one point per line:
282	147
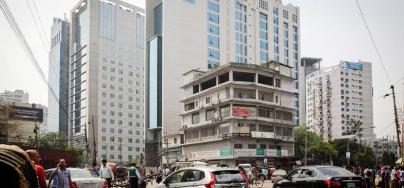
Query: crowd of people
381	177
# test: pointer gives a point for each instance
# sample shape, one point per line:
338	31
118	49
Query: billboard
26	113
351	65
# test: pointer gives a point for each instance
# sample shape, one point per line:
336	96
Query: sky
331	30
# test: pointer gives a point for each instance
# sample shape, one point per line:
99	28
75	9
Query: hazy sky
331	30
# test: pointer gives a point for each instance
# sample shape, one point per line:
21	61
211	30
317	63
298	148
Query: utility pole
36	128
94	143
86	141
396	119
305	145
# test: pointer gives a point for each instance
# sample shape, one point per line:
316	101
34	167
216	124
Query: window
225	111
195	118
213	18
213	41
277	82
214	54
238	146
252	146
213	29
210	114
213	6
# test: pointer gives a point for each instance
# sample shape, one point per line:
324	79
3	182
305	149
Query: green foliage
312	139
323	151
360	154
388	158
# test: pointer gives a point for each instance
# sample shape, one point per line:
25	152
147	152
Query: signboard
214	154
226	152
265	161
284	153
351	65
348	155
26	113
278	152
260	152
256	134
270	152
241	111
245	153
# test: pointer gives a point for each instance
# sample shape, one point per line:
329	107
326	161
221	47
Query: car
278	174
248	168
81	178
204	177
320	177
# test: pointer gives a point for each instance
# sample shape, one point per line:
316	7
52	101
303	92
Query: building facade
337	95
206	34
18	96
58	76
106	75
240	113
382	145
309	65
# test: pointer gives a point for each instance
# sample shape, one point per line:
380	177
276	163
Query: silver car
205	177
82	178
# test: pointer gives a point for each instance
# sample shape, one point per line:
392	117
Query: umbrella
399	161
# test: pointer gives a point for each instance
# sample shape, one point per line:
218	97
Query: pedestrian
368	176
61	176
134	176
40	171
16	168
96	169
393	178
106	173
386	177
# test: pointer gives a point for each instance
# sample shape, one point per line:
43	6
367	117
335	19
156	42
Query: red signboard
239	111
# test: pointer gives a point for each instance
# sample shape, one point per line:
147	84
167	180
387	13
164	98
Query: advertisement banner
214	154
256	134
260	152
226	152
241	111
245	153
351	65
270	152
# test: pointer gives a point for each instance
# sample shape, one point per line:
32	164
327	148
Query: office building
106	79
187	34
337	95
309	65
58	76
14	96
240	113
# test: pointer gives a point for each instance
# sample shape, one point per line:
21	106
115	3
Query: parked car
278	174
205	176
82	178
320	177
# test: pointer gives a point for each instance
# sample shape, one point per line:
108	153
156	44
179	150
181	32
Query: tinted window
228	177
176	177
334	171
192	175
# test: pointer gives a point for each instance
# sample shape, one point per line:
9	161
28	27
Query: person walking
393	178
60	177
40	171
386	177
134	176
106	173
96	169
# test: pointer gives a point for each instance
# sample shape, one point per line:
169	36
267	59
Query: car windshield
228	176
247	168
279	172
334	171
82	174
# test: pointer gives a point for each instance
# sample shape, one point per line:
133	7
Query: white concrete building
189	34
18	96
107	79
381	145
240	113
58	76
337	94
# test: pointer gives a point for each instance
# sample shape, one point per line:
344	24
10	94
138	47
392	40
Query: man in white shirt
106	173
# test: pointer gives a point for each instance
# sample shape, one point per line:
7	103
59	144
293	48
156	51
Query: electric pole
396	119
305	145
86	141
94	143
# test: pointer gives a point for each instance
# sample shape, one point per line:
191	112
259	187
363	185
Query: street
267	184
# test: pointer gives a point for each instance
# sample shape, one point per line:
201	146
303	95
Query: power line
373	42
24	44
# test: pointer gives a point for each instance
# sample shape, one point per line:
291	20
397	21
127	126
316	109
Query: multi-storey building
240	113
309	65
337	95
382	145
14	96
189	34
58	76
106	79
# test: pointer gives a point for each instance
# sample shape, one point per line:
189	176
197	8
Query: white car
278	175
82	178
204	177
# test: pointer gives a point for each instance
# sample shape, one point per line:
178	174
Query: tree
50	141
363	156
388	158
312	138
323	152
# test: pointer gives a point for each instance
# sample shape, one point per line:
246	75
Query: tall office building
337	95
187	34
107	79
58	76
309	65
